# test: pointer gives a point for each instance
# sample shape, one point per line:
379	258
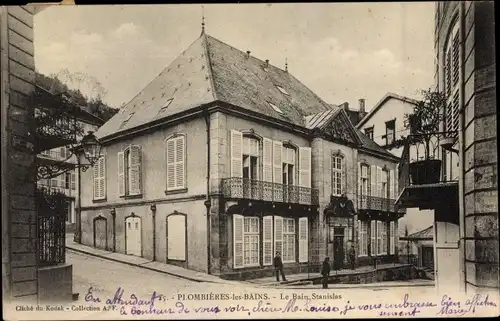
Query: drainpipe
113	216
153	211
78	230
207	201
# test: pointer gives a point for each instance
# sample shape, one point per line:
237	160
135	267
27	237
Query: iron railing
244	188
376	203
52	211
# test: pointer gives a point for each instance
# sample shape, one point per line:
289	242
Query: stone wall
479	181
19	237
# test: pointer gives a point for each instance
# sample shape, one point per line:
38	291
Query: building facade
224	160
386	123
465	72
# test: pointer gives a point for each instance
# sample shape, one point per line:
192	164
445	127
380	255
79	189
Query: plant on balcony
423	124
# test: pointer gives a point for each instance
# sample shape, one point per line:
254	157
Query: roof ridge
209	64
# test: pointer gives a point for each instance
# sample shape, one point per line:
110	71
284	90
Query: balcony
371	203
249	189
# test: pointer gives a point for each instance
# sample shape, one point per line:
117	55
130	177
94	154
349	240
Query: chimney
248	54
361	105
267	63
345	106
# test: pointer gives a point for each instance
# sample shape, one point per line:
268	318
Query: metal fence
52	211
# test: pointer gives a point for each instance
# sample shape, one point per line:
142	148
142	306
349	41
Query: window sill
176	191
127	197
99	200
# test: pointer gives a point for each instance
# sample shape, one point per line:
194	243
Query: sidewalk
387	284
147	264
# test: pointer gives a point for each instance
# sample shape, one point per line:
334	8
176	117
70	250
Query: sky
341	51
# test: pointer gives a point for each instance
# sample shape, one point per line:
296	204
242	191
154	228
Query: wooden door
133	235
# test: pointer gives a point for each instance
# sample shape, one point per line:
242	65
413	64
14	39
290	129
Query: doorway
336	247
176	238
133	235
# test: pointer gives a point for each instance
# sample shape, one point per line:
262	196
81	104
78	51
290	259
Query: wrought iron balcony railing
376	204
244	188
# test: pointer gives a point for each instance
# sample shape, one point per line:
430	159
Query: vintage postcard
226	161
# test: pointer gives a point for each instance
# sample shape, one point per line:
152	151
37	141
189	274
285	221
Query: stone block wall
479	184
19	232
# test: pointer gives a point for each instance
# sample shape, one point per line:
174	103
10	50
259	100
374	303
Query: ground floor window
363	238
278	234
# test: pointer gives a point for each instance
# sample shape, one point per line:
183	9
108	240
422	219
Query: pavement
146	264
299	281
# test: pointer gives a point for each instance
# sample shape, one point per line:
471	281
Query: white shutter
73	181
135	170
373	238
102	177
170	157
305	166
238	241
267	160
278	234
373	180
121	174
267	240
360	182
391	185
96	180
277	162
344	171
379	237
236	154
180	154
380	192
396	182
392	247
303	240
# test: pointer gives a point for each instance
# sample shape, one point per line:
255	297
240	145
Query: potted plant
424	124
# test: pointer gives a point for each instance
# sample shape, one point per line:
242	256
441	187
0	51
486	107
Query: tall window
67	182
369	132
390	132
363	238
129	171
176	162
364	180
251	241
384	184
288	254
288	155
451	79
250	158
337	169
382	237
100	178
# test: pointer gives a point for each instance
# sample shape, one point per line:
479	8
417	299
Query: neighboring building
466	209
420	244
386	123
66	182
224	159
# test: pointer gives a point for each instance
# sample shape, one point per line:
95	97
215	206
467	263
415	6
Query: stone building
224	159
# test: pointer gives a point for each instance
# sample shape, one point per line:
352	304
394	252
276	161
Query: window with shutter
373	238
373	180
102	177
392	185
267	160
363	238
238	241
288	237
251	241
303	240
392	245
73	181
236	154
135	170
305	166
452	77
380	185
277	162
121	173
278	234
267	240
175	155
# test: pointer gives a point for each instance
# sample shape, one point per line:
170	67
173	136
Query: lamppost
92	151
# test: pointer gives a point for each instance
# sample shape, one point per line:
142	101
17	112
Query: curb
361	287
142	266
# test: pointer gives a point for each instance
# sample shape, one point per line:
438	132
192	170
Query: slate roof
427	234
210	70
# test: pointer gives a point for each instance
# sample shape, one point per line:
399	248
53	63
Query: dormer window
127	119
283	91
276	108
162	110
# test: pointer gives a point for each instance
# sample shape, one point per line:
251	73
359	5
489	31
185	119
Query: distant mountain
94	106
